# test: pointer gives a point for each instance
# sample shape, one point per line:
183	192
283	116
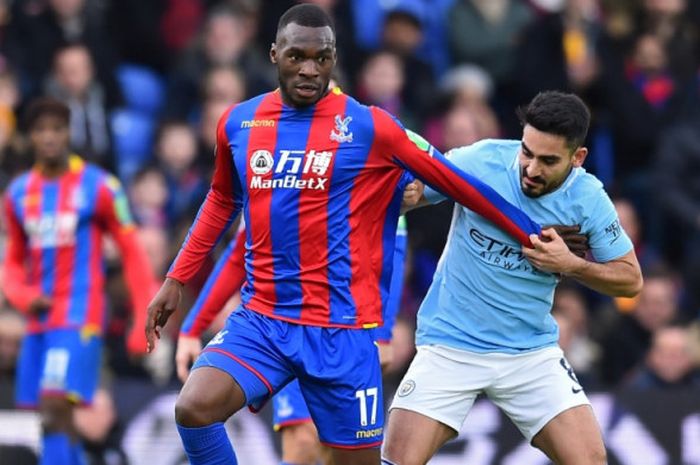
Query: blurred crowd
146	82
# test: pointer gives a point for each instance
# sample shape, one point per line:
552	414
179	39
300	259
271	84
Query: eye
322	60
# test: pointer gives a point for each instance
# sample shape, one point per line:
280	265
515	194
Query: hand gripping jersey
55	230
317	188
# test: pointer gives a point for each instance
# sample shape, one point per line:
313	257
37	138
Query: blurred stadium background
146	81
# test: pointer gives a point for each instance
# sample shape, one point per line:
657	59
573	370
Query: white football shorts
531	388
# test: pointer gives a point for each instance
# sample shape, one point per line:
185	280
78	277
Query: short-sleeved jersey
317	187
55	231
485	295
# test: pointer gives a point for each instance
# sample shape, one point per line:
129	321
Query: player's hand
159	310
188	349
40	305
550	253
386	355
577	243
412	193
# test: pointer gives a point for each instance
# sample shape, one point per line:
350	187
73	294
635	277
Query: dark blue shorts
337	368
289	407
60	362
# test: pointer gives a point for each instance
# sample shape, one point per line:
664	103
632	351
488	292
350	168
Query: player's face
546	161
49	138
305	57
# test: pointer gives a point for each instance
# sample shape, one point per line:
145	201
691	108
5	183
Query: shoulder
584	185
104	180
489	153
240	113
18	185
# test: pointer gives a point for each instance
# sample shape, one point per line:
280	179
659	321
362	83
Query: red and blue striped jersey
55	230
223	282
317	188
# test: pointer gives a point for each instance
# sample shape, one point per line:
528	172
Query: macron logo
258	123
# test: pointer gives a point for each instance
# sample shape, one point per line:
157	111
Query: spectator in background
148	195
464	91
628	339
74	82
572	314
669	22
211	112
647	254
38	29
154	240
677	171
668	363
643	96
559	51
224	84
176	152
226	40
381	82
12	330
13	158
486	33
403	34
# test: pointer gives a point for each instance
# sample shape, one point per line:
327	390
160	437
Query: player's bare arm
619	277
161	307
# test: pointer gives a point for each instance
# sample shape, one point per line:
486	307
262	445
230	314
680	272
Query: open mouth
306	90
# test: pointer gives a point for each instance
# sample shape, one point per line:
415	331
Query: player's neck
53	169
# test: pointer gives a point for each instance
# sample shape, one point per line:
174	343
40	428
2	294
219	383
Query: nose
309	69
532	169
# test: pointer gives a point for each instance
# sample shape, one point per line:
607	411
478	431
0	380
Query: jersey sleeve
412	152
461	157
223	202
391	309
606	237
15	279
113	213
223	283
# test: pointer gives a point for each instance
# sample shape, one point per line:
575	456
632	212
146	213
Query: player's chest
297	164
53	217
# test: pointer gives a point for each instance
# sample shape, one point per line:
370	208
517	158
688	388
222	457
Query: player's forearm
214	218
619	278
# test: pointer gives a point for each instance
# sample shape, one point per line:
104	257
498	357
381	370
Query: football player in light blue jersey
486	318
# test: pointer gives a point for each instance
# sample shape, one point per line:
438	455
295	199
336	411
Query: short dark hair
306	14
558	113
43	106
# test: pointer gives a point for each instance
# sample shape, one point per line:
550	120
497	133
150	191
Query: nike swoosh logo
576	391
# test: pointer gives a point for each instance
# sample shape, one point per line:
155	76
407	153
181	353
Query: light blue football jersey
485	296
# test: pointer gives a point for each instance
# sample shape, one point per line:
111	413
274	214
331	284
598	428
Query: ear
273	53
580	156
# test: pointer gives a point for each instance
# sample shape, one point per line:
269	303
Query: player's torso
58	219
308	175
484	283
54	211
